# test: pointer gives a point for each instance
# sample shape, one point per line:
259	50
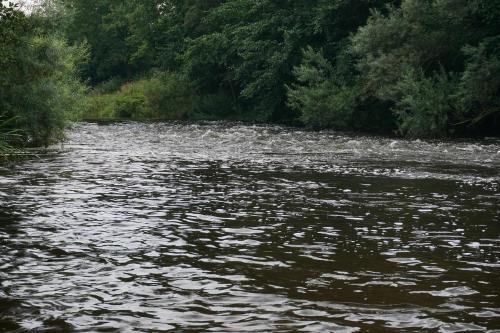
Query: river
214	227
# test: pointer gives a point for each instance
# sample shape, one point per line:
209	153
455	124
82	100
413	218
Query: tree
39	85
412	56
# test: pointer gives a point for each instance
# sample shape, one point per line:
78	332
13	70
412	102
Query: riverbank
160	96
368	68
384	66
171	96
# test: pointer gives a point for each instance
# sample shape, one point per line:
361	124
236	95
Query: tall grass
8	136
159	96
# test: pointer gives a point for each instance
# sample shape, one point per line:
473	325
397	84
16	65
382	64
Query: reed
8	137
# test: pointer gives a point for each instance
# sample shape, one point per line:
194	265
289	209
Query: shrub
42	91
168	96
321	96
162	95
426	106
110	86
479	90
330	95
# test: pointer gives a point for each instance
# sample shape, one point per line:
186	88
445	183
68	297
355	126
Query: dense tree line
418	68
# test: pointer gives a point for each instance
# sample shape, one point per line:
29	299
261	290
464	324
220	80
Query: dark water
195	228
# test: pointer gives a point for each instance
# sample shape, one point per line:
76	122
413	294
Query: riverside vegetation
418	68
40	86
247	225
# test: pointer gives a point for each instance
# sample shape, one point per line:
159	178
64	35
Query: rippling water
232	228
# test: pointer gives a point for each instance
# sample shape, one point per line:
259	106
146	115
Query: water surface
235	228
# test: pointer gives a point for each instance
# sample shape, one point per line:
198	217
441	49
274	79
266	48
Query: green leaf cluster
40	87
419	68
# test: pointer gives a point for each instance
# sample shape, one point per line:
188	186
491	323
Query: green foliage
160	96
405	54
423	68
13	25
479	89
8	136
127	103
249	48
39	86
47	91
167	96
426	105
110	86
321	96
332	96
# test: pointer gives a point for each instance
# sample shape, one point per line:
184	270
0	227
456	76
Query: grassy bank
158	96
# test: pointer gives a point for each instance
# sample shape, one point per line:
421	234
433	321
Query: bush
52	91
330	95
97	106
216	106
162	95
411	57
168	96
110	86
426	106
41	89
479	90
322	98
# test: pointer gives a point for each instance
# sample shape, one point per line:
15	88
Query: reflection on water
231	228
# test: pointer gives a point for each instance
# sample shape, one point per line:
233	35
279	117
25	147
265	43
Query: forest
412	68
